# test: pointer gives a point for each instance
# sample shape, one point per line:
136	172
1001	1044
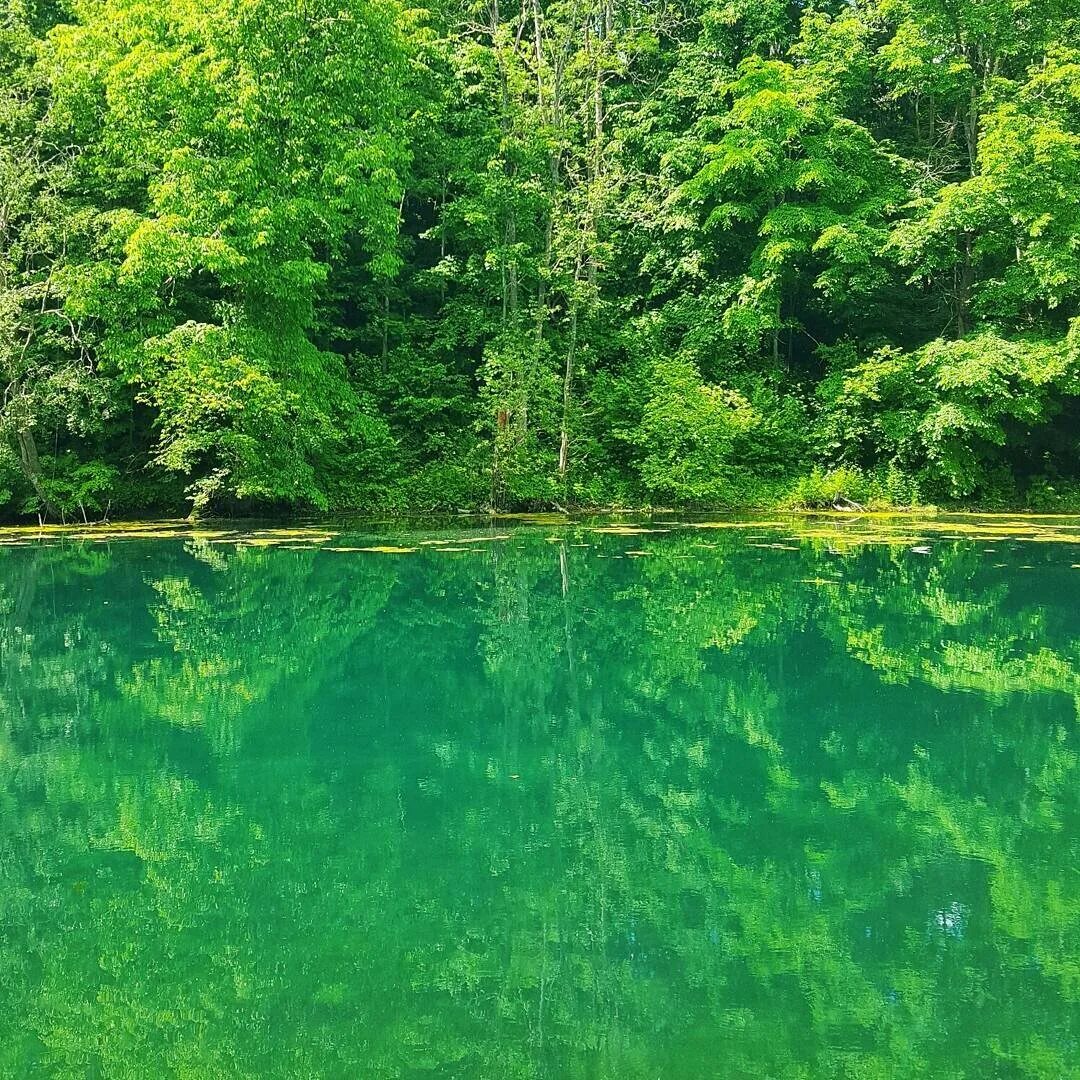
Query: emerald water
768	799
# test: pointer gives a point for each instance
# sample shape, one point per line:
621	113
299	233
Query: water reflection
542	808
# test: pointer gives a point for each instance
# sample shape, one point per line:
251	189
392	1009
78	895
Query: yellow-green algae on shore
839	528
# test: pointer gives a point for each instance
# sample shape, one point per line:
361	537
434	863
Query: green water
541	808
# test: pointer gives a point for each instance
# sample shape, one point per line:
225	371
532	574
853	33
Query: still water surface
785	799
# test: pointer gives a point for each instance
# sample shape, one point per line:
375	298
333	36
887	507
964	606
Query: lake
611	799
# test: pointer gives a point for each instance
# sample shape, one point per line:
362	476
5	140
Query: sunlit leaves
260	138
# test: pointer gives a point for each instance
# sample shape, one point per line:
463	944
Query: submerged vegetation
345	254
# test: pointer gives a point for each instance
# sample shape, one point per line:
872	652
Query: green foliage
342	254
225	171
710	445
952	413
845	488
76	488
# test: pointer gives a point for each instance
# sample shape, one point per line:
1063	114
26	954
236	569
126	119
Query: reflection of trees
535	813
956	625
244	628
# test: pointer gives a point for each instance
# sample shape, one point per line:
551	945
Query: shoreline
165	528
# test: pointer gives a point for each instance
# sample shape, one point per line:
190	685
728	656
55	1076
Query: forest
267	256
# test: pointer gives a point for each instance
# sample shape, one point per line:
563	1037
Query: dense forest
259	255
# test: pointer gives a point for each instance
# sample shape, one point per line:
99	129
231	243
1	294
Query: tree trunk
965	280
568	384
31	467
776	330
